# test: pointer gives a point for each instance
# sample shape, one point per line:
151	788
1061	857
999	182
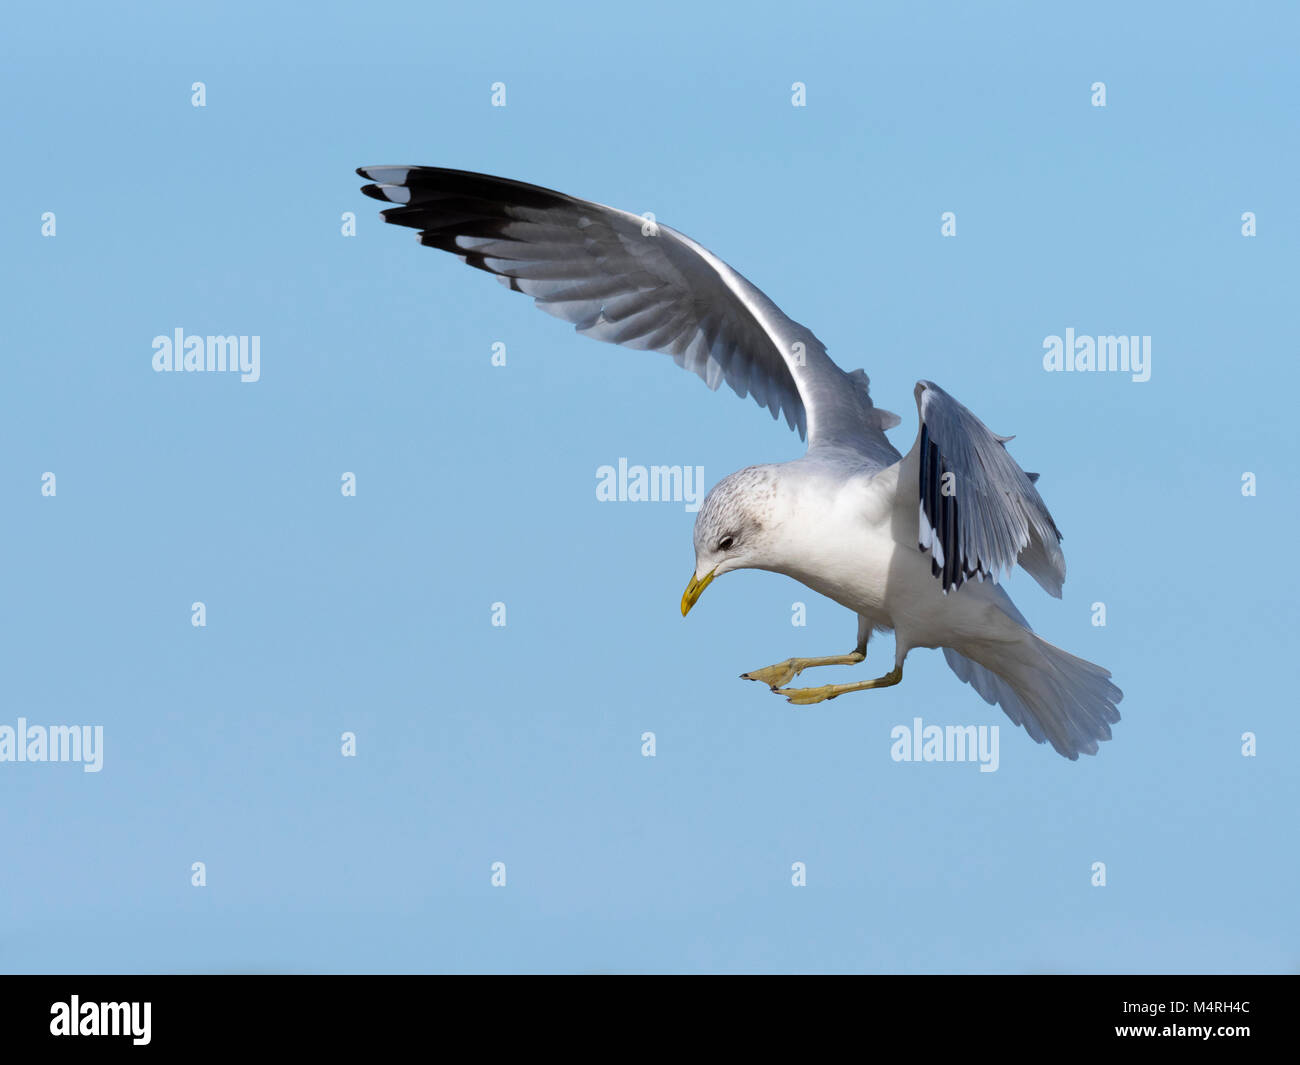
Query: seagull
911	543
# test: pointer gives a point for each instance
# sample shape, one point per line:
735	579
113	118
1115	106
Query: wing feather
621	280
979	512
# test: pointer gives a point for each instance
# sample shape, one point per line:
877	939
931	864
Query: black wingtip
375	193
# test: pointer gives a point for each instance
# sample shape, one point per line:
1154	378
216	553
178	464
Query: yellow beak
694	590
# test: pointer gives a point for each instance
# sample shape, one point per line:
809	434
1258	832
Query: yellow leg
785	672
806	696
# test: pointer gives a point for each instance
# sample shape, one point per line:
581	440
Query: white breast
854	541
840	540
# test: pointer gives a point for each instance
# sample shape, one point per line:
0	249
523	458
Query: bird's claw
808	696
775	676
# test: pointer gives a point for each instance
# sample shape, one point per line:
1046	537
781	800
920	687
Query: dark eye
725	543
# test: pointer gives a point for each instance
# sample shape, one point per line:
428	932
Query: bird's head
733	529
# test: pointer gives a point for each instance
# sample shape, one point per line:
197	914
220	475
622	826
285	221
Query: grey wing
980	513
621	278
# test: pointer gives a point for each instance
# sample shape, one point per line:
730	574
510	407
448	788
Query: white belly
862	552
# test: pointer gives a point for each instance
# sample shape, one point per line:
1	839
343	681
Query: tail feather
1057	697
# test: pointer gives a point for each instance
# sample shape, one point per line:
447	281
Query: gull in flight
914	543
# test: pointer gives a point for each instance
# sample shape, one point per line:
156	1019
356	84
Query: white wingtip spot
388	175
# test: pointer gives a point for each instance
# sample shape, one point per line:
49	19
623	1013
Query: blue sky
476	484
